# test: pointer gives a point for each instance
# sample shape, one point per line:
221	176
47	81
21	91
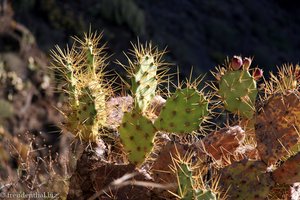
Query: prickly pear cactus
82	69
246	180
137	134
278	120
277	127
86	115
289	171
220	154
185	182
146	72
144	82
237	89
183	112
187	186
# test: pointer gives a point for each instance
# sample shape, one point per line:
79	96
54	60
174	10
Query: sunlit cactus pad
144	81
183	112
238	91
137	133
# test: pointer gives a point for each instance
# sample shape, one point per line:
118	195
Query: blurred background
196	33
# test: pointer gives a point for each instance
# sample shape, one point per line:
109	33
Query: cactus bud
236	62
257	74
246	63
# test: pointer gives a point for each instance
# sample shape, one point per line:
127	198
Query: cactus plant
194	109
137	134
189	179
85	115
237	87
185	182
223	155
144	82
246	180
277	127
277	122
82	68
289	171
146	71
183	112
185	103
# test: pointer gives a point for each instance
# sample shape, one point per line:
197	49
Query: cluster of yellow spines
82	67
146	71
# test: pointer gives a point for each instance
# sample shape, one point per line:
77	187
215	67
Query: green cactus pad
144	82
86	115
186	185
82	67
238	91
185	182
86	112
137	134
183	112
246	180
